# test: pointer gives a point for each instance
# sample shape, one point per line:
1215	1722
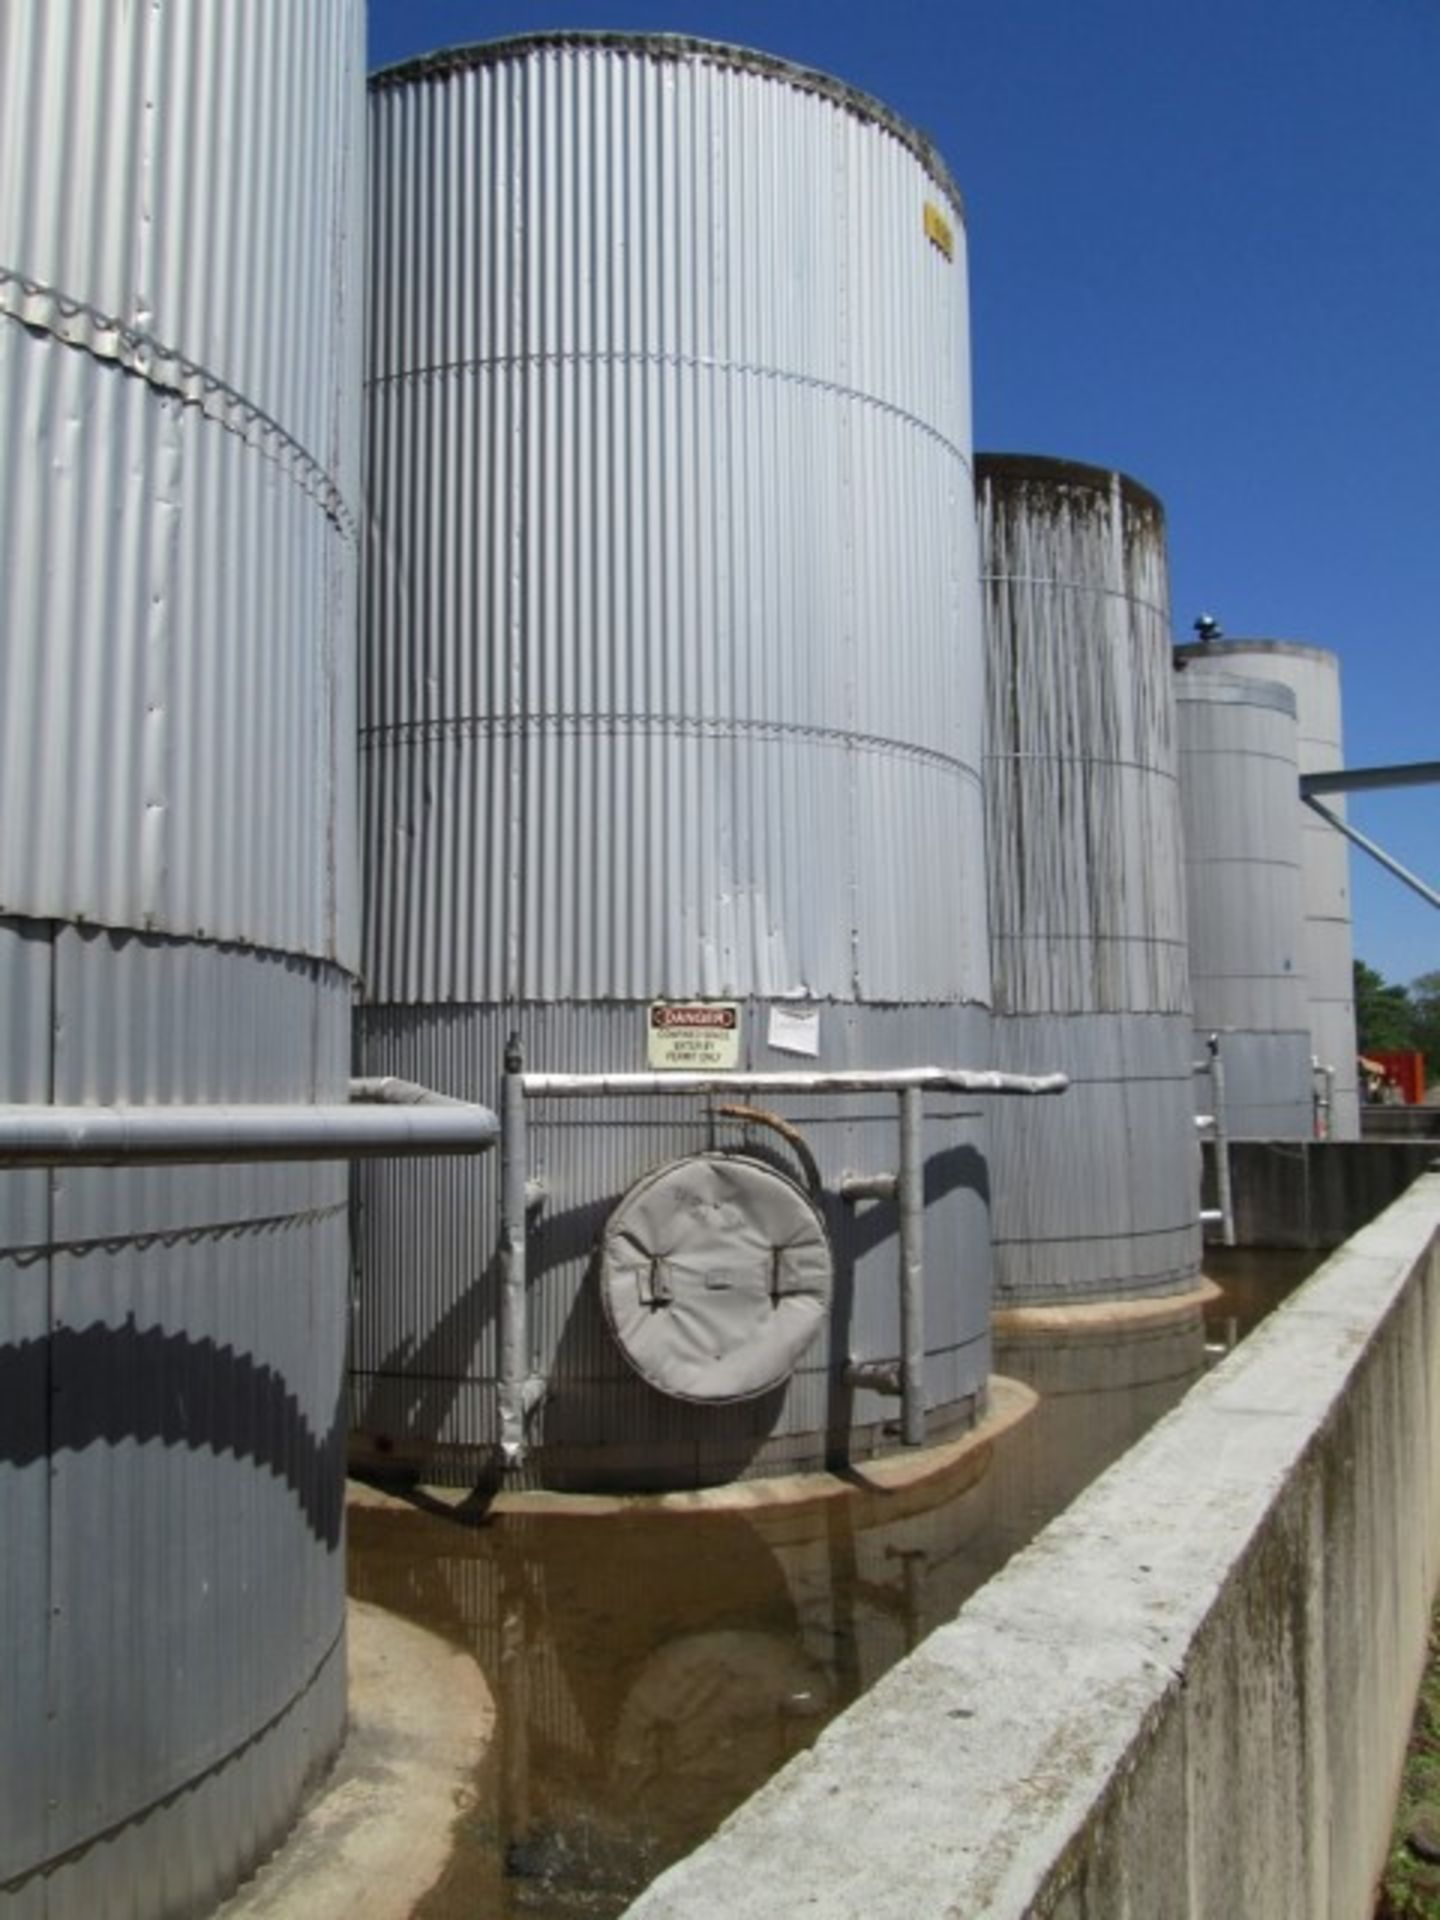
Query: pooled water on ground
650	1671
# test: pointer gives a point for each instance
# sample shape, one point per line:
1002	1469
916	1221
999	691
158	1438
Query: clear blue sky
1204	248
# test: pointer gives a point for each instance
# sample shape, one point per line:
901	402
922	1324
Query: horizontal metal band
405	733
79	1848
75	323
680	362
31	1253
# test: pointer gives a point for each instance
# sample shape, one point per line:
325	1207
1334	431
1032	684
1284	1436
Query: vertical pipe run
514	1316
912	1267
1223	1191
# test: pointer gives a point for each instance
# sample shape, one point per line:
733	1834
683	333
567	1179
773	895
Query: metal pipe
388	1090
880	1376
1223	1190
858	1080
43	1136
521	1391
1378	853
912	1266
855	1187
514	1330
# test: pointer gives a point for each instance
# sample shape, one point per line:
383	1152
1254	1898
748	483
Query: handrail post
912	1266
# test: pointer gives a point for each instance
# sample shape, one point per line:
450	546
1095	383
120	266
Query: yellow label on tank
938	230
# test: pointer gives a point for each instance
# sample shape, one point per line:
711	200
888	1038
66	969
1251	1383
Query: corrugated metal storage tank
1095	1196
179	382
1313	676
1238	782
672	688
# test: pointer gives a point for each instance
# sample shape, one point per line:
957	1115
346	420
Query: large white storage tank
1313	675
180	202
1096	1196
1238	782
672	691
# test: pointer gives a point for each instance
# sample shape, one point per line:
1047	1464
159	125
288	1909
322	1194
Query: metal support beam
1416	773
1390	864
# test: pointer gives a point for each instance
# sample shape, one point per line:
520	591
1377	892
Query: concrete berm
1191	1695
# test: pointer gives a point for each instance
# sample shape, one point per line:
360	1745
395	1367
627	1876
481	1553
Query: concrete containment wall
1191	1695
1314	1193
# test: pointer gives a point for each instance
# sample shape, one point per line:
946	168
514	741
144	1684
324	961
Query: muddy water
651	1671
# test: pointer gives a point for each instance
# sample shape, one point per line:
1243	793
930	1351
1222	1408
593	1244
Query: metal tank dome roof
681	47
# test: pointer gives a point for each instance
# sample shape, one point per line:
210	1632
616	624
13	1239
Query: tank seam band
406	733
680	362
114	342
79	1848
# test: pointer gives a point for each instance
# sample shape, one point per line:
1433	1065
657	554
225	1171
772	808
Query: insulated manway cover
715	1275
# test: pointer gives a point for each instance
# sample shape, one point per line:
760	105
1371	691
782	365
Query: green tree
1425	1021
1384	1017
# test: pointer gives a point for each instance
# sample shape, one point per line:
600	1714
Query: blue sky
1204	248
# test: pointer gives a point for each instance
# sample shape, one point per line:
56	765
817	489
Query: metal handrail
522	1388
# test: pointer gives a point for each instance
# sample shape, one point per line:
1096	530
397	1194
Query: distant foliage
1395	1019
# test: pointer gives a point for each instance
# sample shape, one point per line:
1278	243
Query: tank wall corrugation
194	174
1313	675
672	684
1101	1197
179	747
180	255
711	204
1096	1195
171	1445
424	1336
1086	907
654	494
1238	776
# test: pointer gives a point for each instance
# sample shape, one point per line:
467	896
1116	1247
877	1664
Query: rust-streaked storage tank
672	693
1238	782
1095	1197
180	233
1313	676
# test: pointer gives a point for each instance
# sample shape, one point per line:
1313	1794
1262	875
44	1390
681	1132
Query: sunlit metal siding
187	180
672	680
180	252
1238	782
176	679
1313	675
659	480
1095	1197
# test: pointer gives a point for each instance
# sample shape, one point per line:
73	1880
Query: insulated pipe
388	1090
520	1390
858	1080
855	1187
912	1267
41	1136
